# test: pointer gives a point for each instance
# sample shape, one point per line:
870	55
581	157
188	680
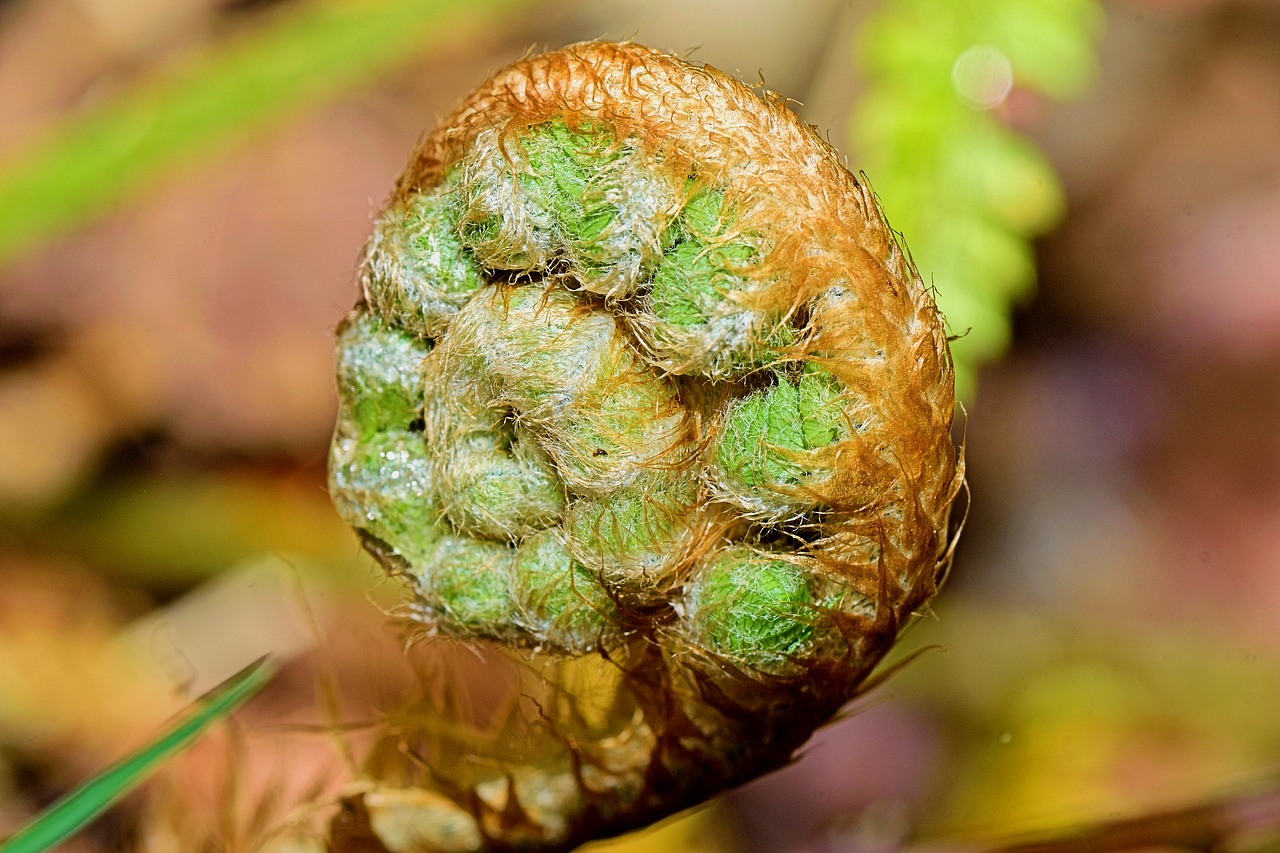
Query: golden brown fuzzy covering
699	725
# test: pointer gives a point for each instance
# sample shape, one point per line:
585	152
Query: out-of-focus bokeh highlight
185	186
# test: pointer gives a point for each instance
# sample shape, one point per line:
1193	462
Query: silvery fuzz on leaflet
640	372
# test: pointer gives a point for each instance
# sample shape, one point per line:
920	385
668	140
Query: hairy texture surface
640	372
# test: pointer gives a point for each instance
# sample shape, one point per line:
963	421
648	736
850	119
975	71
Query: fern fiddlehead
640	371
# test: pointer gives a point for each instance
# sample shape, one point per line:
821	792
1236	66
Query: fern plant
969	190
639	375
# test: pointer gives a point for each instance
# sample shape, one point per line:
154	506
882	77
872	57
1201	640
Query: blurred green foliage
316	50
967	191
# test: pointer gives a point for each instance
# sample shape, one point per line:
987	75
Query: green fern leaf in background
313	52
970	191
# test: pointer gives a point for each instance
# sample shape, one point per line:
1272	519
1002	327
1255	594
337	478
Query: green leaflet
768	437
573	197
698	270
751	607
379	375
417	273
560	598
466	586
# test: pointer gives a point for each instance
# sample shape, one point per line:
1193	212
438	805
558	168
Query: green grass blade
82	805
291	61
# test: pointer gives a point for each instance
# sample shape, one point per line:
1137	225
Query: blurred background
1093	188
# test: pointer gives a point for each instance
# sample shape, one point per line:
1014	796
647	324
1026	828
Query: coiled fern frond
640	372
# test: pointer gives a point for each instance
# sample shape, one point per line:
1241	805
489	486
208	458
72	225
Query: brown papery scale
643	391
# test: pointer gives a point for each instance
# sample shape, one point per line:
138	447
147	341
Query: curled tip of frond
640	369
